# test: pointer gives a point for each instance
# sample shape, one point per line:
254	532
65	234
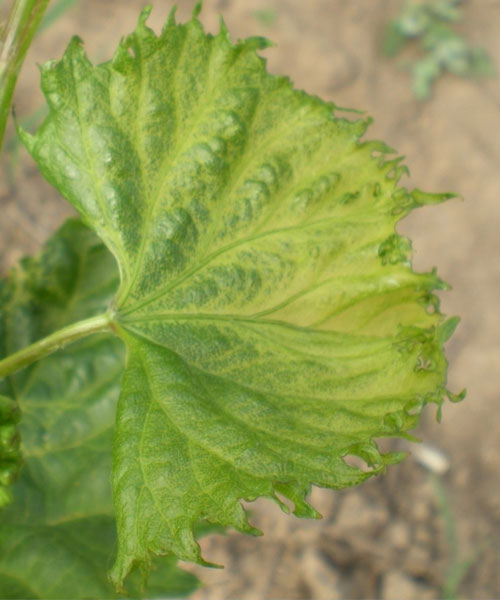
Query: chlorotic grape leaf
58	536
272	319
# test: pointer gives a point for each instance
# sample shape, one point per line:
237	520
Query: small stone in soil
398	586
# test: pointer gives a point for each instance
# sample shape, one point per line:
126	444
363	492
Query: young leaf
58	536
272	319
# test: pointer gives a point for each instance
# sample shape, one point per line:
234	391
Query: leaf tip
26	138
210	565
75	46
170	22
74	60
354	111
144	15
117	574
251	530
456	397
421	198
257	43
296	493
198	7
223	30
447	329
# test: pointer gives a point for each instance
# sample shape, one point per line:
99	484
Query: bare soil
408	534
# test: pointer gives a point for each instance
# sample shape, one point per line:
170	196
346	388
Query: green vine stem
53	342
16	36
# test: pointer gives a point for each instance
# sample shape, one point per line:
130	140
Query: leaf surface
58	536
272	319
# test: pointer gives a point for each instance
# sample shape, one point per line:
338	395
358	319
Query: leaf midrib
150	340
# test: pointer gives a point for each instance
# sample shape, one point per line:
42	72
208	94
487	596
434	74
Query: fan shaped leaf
272	319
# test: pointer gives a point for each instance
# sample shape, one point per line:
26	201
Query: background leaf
10	454
58	536
273	322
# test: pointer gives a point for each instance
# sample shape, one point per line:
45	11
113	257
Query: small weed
458	566
442	49
266	16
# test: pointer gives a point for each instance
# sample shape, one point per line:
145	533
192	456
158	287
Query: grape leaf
58	536
272	319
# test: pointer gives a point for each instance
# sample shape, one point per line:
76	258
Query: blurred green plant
266	16
443	49
13	145
56	10
33	119
458	566
15	38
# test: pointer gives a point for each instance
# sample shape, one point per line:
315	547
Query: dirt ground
408	534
